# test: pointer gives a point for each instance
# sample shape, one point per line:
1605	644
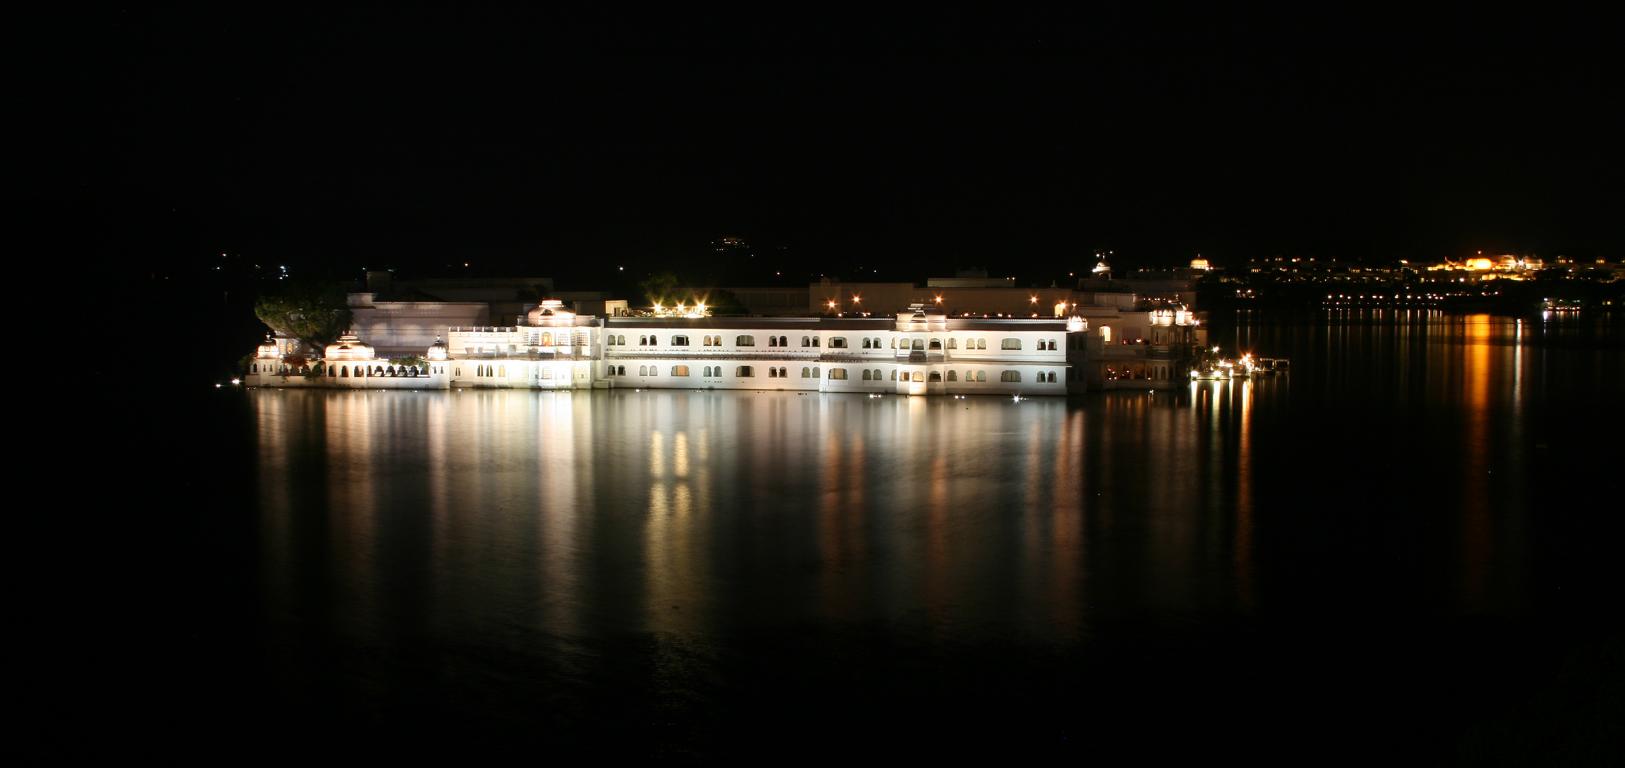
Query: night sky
545	144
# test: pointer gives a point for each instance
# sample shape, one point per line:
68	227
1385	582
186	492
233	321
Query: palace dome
550	312
268	349
349	347
437	350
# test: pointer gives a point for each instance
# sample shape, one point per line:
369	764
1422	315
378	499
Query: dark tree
314	313
661	286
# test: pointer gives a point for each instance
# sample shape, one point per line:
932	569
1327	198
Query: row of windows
359	371
835	374
836	342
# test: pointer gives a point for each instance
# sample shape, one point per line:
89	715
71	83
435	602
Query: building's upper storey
909	337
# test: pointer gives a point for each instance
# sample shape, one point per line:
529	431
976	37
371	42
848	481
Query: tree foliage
661	286
314	313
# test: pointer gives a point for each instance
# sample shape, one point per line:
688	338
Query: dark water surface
1411	543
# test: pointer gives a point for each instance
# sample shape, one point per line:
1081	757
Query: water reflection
554	520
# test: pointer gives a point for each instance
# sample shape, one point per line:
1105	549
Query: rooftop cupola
551	312
349	347
268	349
437	350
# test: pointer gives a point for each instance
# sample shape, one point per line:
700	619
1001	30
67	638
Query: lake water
1408	543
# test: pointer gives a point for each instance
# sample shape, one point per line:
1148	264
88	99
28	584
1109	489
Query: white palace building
920	351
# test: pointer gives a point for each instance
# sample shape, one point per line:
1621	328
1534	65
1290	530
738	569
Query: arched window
815	372
815	341
806	341
1106	333
981	375
866	370
877	374
772	341
804	372
981	343
936	345
866	346
919	377
772	373
935	378
679	370
784	341
344	372
1010	344
1010	376
620	370
953	343
643	370
953	376
917	345
745	341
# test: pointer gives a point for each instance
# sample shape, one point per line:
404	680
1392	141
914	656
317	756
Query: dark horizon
530	142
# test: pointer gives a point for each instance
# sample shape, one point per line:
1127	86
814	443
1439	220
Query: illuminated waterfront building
921	350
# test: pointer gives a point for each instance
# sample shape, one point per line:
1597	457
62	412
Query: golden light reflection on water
517	507
1476	541
1244	500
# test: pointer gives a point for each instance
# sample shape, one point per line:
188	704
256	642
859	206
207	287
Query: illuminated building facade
920	351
